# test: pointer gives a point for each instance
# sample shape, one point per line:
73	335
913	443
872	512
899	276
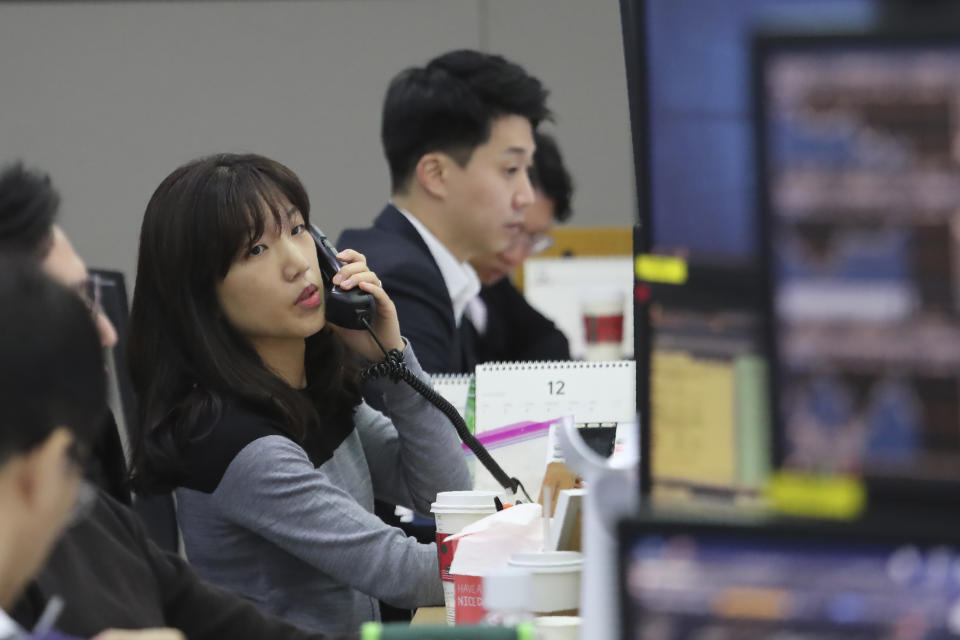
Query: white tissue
489	543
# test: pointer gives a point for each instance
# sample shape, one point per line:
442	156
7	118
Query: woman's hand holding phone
356	273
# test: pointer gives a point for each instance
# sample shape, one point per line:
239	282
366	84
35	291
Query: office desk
429	615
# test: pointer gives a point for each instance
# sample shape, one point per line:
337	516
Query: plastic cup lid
548	560
556	621
465	501
507	588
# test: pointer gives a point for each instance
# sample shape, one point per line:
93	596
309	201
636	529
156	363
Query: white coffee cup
556	628
555	578
602	309
453	511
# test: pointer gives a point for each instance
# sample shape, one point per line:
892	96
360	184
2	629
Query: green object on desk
753	423
400	631
470	413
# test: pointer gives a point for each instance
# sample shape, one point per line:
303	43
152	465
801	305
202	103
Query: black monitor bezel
633	29
881	490
885	528
116	306
714	283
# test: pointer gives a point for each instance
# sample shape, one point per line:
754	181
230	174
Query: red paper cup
602	313
453	511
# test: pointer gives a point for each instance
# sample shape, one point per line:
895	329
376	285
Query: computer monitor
157	512
114	302
702	380
684	580
688	70
859	176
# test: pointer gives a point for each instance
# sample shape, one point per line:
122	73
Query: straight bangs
185	359
247	199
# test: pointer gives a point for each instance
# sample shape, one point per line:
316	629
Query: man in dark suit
458	136
508	328
29	205
53	392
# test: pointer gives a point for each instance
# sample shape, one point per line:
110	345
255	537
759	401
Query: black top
515	330
109	469
239	423
111	575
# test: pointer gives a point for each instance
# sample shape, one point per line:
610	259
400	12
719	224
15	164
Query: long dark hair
185	358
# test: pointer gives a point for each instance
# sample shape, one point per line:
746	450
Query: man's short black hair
449	106
550	176
28	208
51	362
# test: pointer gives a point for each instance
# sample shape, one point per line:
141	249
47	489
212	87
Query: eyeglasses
89	291
534	243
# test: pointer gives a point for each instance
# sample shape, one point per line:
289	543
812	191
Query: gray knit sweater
303	542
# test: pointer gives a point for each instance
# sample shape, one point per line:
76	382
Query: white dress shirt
461	280
9	628
477	313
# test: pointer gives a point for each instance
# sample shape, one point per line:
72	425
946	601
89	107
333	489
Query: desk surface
429	615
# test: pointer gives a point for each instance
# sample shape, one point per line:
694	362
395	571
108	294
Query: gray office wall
576	48
111	96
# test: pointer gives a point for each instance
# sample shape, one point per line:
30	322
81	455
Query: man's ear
431	173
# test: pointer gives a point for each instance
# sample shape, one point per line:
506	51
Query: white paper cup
602	310
453	511
556	628
555	579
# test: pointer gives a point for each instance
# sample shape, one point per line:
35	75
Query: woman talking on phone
252	406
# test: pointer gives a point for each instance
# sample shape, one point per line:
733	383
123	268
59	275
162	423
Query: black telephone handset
354	309
344	308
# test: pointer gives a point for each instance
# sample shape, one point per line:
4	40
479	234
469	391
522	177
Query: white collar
9	628
459	277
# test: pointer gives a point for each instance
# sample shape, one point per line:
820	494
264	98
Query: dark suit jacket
517	331
410	275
